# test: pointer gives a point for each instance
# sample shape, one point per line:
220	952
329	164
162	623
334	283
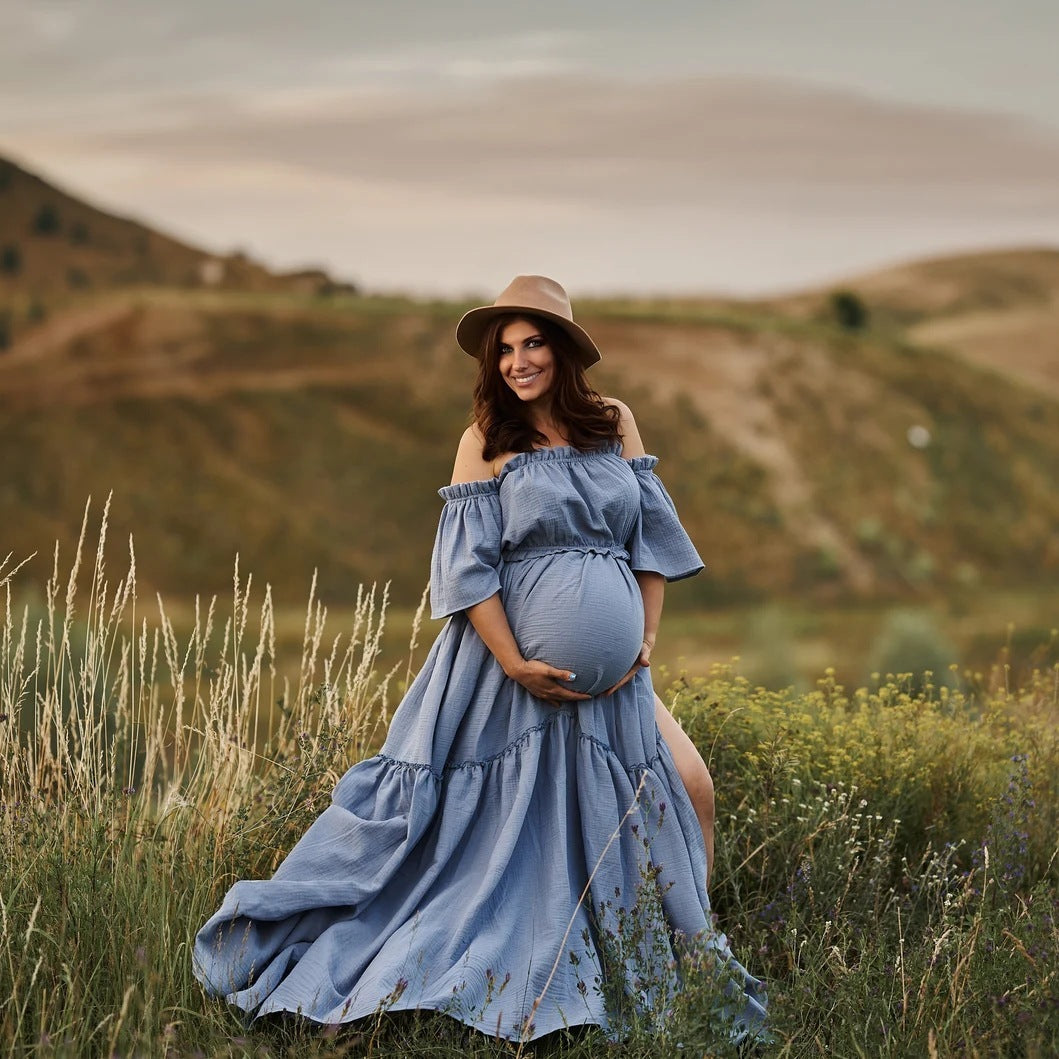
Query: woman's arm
653	590
539	678
488	617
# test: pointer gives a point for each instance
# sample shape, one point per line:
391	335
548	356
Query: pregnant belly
578	611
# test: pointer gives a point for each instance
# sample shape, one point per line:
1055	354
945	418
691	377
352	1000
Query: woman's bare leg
693	771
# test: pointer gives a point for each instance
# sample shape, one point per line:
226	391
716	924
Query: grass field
886	854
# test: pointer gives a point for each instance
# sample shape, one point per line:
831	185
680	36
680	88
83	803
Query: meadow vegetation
886	854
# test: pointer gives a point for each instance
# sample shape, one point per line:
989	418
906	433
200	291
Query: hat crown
536	292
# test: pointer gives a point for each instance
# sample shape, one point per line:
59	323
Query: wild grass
142	774
887	854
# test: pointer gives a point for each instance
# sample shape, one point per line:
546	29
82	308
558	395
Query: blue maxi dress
449	870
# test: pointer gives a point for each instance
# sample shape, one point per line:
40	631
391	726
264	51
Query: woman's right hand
545	682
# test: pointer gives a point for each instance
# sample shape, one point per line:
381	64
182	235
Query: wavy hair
585	419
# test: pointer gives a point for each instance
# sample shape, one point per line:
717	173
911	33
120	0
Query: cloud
51	23
594	141
729	183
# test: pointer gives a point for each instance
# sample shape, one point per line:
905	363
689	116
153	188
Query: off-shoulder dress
449	870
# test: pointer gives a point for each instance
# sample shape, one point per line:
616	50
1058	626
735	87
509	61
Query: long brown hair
586	420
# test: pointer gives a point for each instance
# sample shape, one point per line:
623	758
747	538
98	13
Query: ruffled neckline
554	454
557	453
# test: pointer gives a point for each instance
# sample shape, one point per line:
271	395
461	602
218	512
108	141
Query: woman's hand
642	662
545	682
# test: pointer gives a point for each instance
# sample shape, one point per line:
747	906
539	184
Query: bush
46	220
910	646
934	761
11	259
849	311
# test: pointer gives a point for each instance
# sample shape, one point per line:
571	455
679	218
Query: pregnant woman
531	781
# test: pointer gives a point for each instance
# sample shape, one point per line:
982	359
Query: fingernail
571	676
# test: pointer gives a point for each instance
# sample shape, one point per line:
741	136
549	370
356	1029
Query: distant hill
999	308
54	247
305	434
242	412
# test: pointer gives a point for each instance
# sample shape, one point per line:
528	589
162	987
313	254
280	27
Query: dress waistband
522	553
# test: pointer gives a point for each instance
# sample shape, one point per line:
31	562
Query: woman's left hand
642	662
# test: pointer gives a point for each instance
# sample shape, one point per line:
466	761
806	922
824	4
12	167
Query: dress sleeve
464	569
659	542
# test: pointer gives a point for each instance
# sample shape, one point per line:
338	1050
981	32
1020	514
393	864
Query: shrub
770	644
11	259
910	645
849	311
936	759
46	220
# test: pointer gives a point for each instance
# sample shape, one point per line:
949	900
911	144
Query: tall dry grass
142	772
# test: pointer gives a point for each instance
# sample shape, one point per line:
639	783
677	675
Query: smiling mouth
525	380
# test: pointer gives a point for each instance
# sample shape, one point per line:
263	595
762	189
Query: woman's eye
533	343
504	350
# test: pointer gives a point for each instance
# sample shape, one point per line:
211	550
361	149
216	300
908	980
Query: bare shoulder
471	465
631	442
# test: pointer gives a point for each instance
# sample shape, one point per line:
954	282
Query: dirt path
148	348
721	373
54	335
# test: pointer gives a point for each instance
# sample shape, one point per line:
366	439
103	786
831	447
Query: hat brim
472	327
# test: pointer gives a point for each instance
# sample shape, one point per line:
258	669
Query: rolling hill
304	435
999	309
307	432
55	247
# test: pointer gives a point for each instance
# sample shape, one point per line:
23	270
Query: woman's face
527	363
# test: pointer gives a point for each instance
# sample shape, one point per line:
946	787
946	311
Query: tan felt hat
536	296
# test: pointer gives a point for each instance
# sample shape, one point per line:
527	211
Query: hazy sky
689	145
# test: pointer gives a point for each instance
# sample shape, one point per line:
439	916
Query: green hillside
55	248
230	410
304	433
